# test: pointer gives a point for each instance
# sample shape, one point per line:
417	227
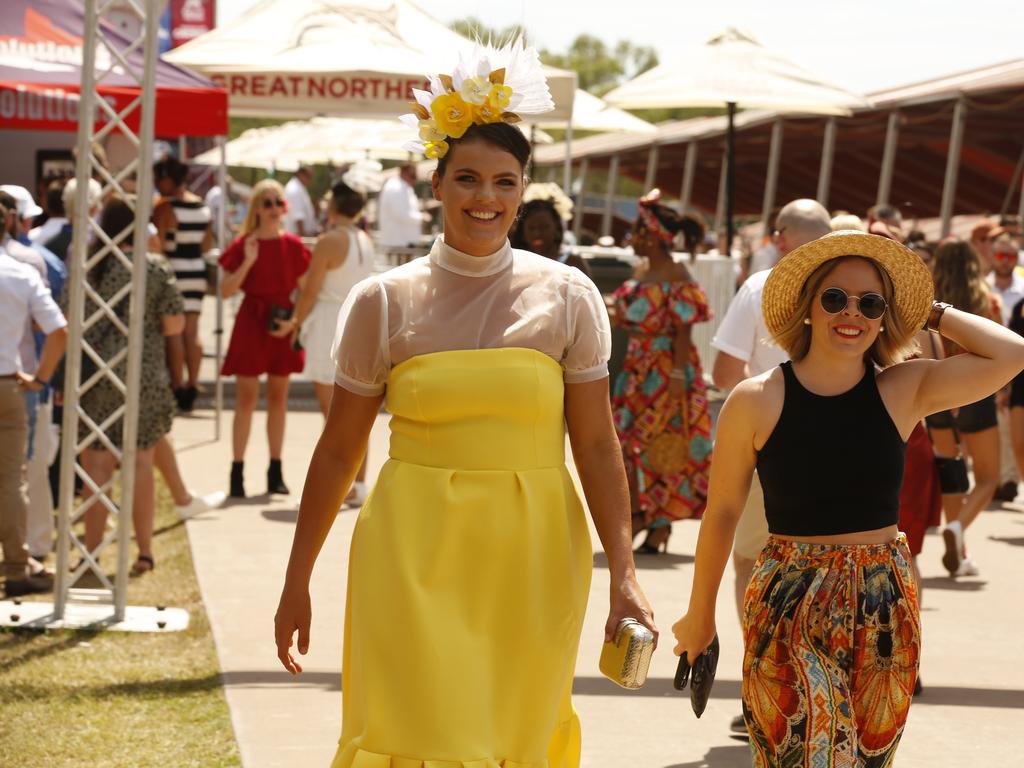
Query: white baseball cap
27	208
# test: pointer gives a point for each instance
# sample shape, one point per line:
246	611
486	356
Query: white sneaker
200	504
968	567
357	496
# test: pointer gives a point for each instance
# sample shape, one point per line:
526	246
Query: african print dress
645	413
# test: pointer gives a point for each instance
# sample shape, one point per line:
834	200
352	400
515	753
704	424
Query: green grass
110	699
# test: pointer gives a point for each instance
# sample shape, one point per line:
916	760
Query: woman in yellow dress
470	563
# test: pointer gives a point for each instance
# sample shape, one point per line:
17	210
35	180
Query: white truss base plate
137	618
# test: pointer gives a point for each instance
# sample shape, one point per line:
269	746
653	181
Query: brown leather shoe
30	585
1006	492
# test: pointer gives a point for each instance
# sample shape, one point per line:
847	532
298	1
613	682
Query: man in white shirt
399	219
746	348
24	298
301	216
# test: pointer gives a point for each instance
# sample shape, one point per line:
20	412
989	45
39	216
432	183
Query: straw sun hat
913	289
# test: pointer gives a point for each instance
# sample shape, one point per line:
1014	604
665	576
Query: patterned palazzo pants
832	639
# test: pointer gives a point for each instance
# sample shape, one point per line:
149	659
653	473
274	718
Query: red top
271	281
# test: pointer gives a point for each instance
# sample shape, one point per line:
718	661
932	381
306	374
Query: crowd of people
866	368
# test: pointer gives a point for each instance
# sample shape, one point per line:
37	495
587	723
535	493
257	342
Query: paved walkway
971	713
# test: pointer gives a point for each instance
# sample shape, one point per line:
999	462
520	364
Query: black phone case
701	676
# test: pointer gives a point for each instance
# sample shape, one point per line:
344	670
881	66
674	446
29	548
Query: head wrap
647	211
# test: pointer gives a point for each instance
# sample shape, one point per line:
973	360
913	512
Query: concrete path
971	713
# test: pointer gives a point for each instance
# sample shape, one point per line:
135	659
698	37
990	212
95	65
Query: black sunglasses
835	300
273	202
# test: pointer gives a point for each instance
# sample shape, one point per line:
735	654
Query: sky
862	45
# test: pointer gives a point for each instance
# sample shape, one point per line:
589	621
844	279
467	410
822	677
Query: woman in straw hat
471	560
831	624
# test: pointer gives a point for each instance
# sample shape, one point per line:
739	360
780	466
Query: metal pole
609	201
567	165
956	137
771	181
652	168
222	212
76	304
828	150
689	168
577	224
892	133
183	148
1020	203
136	322
731	178
720	205
1013	183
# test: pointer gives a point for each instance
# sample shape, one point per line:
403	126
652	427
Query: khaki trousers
13	483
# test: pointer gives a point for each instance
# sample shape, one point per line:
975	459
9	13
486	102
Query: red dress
271	281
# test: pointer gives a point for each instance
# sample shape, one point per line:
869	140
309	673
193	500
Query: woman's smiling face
848	331
480	191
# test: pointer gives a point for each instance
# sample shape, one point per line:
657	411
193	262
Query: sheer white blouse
449	300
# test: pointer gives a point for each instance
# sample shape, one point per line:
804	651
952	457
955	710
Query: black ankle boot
275	480
237	482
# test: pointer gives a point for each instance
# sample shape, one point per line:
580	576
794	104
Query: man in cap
745	348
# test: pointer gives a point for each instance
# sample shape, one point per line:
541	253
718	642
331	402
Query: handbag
669	452
952	470
701	676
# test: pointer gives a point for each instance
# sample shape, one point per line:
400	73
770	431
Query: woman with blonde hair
959	280
831	620
267	264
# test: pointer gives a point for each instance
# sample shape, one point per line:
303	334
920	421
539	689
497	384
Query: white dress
317	335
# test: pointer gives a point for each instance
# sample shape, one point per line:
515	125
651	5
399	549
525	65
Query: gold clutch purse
626	659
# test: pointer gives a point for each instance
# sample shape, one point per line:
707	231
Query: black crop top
832	464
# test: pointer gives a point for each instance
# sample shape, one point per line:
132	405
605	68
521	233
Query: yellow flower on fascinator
475	90
435	150
452	114
429	132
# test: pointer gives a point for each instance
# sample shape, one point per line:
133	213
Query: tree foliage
598	66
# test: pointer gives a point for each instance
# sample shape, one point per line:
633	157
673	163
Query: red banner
191	18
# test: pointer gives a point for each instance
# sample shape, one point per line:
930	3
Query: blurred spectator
983	236
300	217
56	218
886	220
266	264
342	257
61	244
234	215
399	218
846	220
163	316
959	281
183	228
1004	280
918	243
26	300
541	225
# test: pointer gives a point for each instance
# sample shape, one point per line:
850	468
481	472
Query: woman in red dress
267	265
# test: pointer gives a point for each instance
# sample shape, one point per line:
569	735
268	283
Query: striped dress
183	247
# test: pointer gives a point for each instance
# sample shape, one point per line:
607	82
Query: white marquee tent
297	58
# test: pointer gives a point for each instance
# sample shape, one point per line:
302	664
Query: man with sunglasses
745	348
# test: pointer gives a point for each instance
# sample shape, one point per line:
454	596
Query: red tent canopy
41	71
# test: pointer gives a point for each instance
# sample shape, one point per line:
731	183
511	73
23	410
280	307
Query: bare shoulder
754	406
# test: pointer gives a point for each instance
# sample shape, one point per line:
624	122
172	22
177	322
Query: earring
807	321
881	329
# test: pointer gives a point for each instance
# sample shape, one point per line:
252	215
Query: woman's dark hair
693	234
501	135
116	217
345	200
518	238
170	168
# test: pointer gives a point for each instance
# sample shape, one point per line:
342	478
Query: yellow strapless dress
469	574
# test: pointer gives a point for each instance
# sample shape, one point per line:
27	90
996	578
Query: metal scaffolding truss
122	314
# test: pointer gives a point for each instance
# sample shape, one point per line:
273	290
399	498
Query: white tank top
358	265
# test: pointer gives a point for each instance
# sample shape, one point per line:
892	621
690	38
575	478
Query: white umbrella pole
892	133
567	167
578	211
771	181
609	201
828	151
688	170
956	137
222	209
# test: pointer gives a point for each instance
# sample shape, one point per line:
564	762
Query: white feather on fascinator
491	85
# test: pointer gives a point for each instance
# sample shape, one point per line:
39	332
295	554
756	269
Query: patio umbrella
590	113
318	141
733	69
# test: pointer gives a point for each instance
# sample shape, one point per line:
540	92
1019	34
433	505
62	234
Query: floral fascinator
551	193
492	85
